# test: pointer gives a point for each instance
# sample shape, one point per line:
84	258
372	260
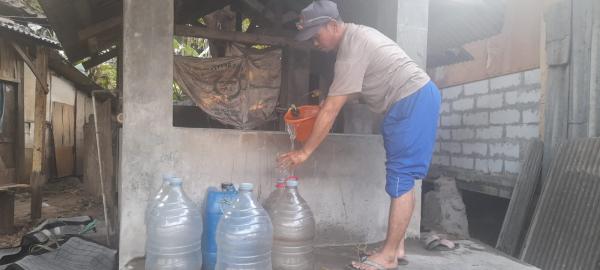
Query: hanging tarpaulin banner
241	91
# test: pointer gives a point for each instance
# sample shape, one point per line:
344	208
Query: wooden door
63	131
8	132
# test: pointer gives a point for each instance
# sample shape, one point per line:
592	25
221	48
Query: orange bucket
304	123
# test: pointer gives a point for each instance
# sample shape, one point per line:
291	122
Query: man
373	65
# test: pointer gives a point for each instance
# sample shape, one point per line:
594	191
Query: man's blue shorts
408	130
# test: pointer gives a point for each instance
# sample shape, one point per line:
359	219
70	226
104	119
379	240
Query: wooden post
37	175
7	211
20	136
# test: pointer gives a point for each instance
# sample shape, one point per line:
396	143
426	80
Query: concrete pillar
148	113
411	35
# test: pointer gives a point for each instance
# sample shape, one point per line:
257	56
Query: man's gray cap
315	15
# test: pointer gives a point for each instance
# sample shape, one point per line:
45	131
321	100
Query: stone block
475	88
531	116
475	148
512	166
445	107
493	101
506	81
463	134
451	120
451	92
532	76
443	160
451	147
489	133
505	149
489	165
476	119
463	104
462	162
444	134
522	96
510	116
444	210
523	131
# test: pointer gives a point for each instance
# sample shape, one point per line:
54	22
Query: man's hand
329	111
291	160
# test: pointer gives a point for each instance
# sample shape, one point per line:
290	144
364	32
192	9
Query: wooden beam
37	175
43	81
100	27
100	58
241	37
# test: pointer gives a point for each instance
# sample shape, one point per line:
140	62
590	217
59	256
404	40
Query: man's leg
401	209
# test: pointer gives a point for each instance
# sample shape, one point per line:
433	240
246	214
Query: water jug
159	194
279	189
293	231
216	202
244	234
174	232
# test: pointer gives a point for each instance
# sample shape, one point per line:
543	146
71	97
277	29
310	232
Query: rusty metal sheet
518	216
564	232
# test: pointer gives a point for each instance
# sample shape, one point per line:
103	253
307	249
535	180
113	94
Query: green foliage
245	24
178	94
189	46
105	75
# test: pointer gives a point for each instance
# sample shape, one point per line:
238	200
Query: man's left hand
291	160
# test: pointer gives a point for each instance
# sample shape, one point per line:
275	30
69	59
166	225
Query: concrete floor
469	256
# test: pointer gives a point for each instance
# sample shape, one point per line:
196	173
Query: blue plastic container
216	201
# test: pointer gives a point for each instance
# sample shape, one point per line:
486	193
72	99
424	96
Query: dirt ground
61	198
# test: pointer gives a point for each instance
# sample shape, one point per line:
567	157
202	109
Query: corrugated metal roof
565	230
27	32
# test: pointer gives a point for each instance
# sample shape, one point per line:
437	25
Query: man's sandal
370	263
365	255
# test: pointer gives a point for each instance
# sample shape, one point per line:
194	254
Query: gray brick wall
486	125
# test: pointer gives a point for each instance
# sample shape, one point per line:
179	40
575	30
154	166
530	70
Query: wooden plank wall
63	128
515	49
9	140
8	132
91	172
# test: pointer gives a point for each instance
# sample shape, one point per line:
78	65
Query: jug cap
167	177
292	183
226	185
246	186
293	177
175	181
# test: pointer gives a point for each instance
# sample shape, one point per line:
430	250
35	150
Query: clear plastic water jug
164	188
293	231
174	232
279	190
244	234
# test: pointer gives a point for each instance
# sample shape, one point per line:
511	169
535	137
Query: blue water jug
216	201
